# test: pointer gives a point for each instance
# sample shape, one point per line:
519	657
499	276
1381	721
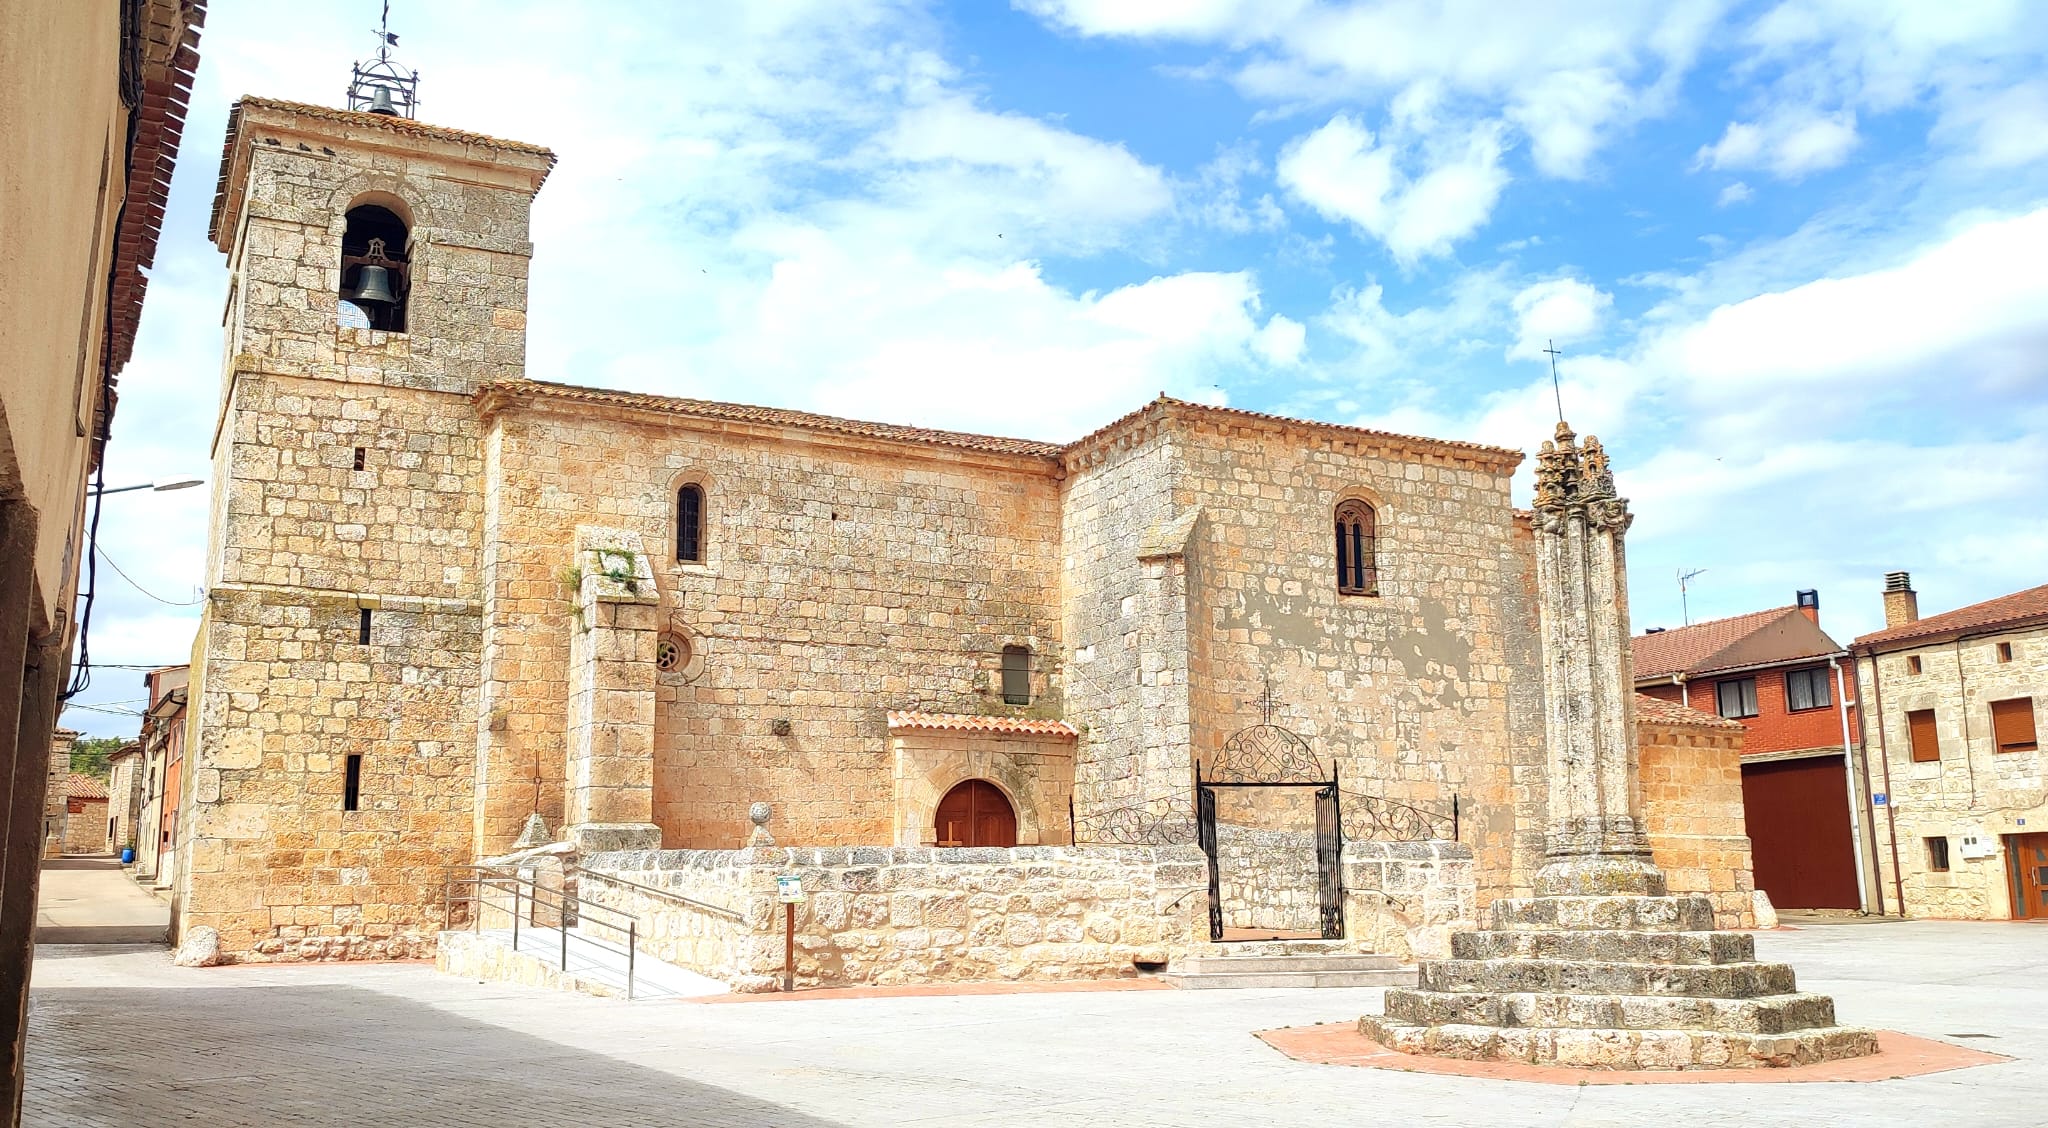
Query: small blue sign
1878	799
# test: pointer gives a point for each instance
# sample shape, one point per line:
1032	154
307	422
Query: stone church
445	597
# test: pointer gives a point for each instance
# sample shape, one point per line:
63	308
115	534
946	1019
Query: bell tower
377	274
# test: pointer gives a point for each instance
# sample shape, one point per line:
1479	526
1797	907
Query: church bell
375	286
380	103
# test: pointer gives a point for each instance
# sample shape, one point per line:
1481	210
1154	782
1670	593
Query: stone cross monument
1603	968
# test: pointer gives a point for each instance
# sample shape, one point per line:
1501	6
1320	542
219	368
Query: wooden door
2030	883
976	813
1800	840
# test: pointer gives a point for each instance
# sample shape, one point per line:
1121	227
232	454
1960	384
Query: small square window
2005	652
1912	663
1937	855
1736	698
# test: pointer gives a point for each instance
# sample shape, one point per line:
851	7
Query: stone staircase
1285	963
1612	982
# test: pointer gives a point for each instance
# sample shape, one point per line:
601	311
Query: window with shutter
1016	675
2012	725
1920	731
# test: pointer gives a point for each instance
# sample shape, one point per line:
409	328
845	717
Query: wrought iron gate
1266	755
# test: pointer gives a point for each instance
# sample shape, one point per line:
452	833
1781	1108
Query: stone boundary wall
1404	899
1691	774
885	915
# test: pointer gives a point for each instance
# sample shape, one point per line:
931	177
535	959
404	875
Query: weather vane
380	86
1555	390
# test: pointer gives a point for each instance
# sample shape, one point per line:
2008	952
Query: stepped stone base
1612	982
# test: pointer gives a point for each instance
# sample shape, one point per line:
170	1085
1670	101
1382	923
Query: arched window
375	272
1357	554
1016	675
690	524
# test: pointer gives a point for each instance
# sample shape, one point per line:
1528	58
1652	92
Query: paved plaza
121	1037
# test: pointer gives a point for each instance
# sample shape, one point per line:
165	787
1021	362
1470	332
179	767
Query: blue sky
1791	252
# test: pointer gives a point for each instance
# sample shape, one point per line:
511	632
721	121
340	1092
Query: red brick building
1792	687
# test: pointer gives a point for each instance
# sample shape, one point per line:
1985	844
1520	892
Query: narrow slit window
352	783
1016	675
690	524
1357	549
359	458
363	626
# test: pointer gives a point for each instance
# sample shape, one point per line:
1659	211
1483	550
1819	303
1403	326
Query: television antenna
1684	584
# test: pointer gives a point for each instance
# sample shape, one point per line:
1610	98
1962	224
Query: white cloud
1788	145
1345	174
1562	309
1282	340
1969	311
2003	128
1733	194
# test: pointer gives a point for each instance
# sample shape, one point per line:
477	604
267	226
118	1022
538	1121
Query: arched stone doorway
976	813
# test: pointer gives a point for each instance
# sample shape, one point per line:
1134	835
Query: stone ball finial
760	838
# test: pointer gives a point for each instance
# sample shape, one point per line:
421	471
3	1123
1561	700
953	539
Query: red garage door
1798	816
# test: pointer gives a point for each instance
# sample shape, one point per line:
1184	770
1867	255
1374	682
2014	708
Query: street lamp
180	484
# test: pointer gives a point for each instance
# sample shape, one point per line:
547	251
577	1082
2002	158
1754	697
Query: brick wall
1775	728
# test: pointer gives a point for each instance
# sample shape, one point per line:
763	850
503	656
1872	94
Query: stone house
446	598
1777	674
164	796
125	776
1954	717
87	829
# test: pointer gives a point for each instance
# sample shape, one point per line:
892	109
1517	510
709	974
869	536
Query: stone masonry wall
1973	789
912	915
1407	690
1126	627
842	577
85	832
1268	878
1691	773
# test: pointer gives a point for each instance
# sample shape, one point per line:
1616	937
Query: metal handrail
480	877
700	906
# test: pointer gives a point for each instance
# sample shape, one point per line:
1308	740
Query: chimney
1809	604
1901	602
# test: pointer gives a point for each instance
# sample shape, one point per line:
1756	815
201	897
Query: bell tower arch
377	275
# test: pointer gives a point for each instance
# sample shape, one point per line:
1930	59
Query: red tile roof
2007	610
968	722
1682	650
1664	712
772	416
85	787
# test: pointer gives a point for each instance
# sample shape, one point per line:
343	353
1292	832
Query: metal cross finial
1266	705
1554	389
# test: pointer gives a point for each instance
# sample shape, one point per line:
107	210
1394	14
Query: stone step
1595	1048
1247	980
1346	961
1688	913
1768	1014
1208	949
1592	977
1610	945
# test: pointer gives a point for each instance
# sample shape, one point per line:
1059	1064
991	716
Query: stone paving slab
92	900
120	1037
